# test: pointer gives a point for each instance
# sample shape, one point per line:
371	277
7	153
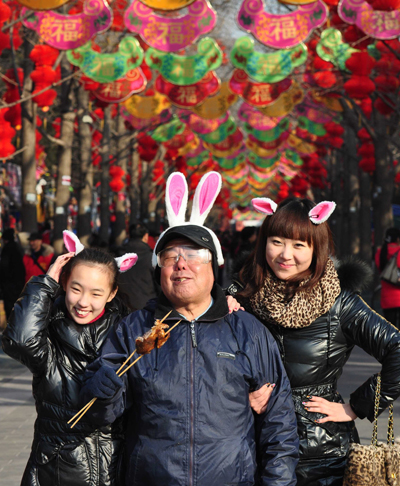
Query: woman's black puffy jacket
56	350
314	358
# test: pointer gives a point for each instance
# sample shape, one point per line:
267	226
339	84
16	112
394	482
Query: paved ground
17	413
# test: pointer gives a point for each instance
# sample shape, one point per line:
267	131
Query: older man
187	402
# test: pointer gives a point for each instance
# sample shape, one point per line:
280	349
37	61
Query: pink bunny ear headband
176	198
72	243
318	214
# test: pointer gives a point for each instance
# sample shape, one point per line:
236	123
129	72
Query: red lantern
386	5
360	63
386	83
334	128
367	164
363	134
117	184
44	55
382	107
116	171
366	150
359	87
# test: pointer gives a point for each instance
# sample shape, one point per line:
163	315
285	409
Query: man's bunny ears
318	214
176	199
72	243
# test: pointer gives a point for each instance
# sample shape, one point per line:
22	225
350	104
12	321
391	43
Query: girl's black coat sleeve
365	328
26	335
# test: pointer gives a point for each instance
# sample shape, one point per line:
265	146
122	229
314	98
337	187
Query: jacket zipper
191	451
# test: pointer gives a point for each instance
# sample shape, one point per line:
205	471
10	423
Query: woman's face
287	257
87	291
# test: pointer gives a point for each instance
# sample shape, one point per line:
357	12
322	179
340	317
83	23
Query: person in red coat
39	258
390	294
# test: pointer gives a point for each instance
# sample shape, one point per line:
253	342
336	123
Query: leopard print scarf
269	305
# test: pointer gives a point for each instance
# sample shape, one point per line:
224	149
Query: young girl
316	317
56	338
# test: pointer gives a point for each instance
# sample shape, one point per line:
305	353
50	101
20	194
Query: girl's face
287	257
87	291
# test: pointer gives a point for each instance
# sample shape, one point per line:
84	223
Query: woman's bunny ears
176	198
72	243
318	214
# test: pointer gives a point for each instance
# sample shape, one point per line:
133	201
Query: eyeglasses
192	256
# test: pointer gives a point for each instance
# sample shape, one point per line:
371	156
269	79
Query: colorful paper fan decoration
184	70
281	31
221	133
106	68
200	125
142	106
121	89
285	103
249	114
216	106
170	34
42	4
266	67
70	31
168	130
268	135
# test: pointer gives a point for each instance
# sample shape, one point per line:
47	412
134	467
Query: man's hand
233	304
54	270
259	398
335	412
104	383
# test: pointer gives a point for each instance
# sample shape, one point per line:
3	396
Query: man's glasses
192	256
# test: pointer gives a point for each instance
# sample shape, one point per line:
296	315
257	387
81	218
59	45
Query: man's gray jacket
189	418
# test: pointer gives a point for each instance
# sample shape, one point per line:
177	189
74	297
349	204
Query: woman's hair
92	257
290	221
392	235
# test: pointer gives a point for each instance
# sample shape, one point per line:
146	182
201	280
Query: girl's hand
335	412
233	304
259	399
54	270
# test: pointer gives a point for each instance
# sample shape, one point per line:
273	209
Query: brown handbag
376	464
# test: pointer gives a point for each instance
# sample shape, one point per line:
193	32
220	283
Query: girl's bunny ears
176	199
318	214
72	243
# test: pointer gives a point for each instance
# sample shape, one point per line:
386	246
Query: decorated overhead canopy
238	85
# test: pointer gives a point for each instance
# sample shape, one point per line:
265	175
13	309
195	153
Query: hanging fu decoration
281	31
266	68
70	31
376	24
170	34
105	68
147	106
190	95
216	106
257	94
184	70
121	89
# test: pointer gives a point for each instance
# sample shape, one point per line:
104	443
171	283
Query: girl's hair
92	257
391	236
291	221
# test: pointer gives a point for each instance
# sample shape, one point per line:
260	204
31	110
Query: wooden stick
84	409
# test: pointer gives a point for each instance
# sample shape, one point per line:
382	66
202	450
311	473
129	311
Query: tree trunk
65	158
354	194
104	179
365	217
383	184
28	166
134	190
86	188
122	161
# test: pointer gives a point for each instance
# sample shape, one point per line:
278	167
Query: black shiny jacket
41	336
314	357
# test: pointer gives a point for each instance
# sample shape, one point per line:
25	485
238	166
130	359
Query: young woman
390	294
291	285
56	338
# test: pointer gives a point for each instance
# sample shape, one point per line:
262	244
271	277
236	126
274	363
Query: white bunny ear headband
176	199
318	214
72	243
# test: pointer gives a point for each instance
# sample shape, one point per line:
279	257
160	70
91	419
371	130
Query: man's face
186	284
35	245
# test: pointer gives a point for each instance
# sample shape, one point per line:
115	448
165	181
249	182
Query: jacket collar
218	310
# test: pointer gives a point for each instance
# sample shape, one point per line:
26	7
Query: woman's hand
54	270
335	412
259	398
233	304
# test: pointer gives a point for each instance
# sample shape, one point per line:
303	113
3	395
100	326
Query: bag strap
390	432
